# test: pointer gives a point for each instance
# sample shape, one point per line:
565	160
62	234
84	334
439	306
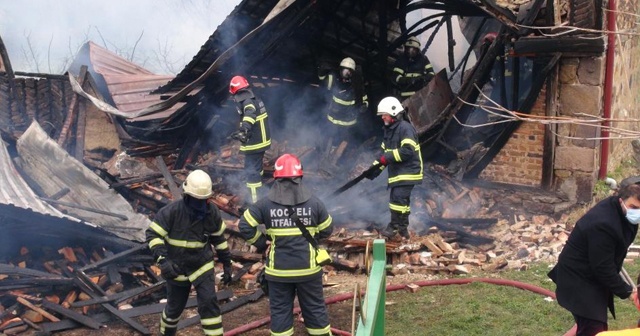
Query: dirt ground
339	313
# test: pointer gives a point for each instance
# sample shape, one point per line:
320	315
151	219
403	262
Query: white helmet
198	185
413	42
390	105
348	63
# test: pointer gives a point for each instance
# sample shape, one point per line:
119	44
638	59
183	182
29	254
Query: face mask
633	215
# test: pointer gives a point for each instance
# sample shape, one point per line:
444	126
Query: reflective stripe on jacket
291	258
401	150
406	71
178	235
345	103
255	119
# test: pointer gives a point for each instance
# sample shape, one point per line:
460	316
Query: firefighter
401	154
412	69
180	238
347	100
253	132
291	267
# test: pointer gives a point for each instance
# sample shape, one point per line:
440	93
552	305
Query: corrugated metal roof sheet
15	191
128	84
53	169
107	62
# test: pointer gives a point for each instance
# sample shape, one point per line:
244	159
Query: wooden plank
41	311
175	191
93	290
225	308
338	152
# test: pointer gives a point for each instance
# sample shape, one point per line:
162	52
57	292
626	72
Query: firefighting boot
403	226
392	229
168	326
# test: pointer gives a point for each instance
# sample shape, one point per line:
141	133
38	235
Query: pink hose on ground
391	288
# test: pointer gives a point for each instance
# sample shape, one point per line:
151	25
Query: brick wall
520	160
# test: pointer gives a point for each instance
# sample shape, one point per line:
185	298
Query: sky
44	35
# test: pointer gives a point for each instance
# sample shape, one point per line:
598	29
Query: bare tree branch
135	45
49	54
104	43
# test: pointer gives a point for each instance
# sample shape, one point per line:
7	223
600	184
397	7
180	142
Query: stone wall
626	85
576	159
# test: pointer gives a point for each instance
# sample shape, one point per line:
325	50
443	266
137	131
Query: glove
383	160
226	276
372	172
241	136
169	269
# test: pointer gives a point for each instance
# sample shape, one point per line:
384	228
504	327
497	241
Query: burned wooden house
528	101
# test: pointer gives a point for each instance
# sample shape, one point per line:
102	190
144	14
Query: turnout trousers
253	174
311	299
208	308
400	208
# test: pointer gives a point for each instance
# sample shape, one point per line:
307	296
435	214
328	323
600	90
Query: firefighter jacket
291	257
346	103
402	152
412	76
177	234
254	122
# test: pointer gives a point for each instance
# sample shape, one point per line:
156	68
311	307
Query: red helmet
288	165
238	83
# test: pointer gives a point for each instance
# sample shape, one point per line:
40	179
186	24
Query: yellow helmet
198	185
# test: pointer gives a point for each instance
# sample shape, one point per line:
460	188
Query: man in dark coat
587	273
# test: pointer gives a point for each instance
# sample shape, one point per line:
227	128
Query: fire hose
391	288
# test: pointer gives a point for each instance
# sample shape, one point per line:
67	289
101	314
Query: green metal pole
371	321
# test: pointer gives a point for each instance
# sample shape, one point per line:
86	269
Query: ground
339	313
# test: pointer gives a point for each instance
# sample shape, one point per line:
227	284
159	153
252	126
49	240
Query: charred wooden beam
9	284
133	180
133	312
569	45
93	290
225	308
192	144
73	107
122	296
82	319
175	191
524	107
81	126
114	257
14	270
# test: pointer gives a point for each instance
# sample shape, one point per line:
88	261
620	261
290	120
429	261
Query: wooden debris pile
48	289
